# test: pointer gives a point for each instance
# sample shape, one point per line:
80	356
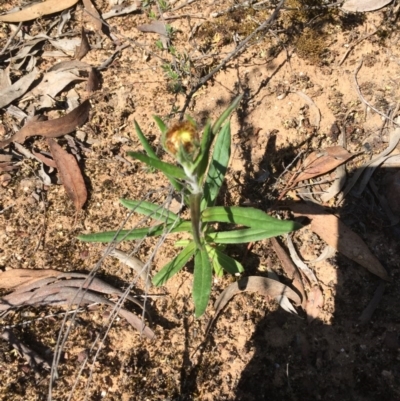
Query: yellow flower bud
182	135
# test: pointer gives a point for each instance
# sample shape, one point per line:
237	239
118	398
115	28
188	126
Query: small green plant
202	166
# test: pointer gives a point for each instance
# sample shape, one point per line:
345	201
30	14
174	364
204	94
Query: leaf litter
53	288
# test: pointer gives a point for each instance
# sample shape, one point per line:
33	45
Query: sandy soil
255	350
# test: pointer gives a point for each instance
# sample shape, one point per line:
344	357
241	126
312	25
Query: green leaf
175	265
168	169
151	210
145	143
161	126
217	125
138	233
218	166
150	152
227	263
253	234
202	280
247	216
201	161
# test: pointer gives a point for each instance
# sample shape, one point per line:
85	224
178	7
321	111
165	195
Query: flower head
182	138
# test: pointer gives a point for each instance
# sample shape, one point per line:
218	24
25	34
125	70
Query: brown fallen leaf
262	285
322	161
70	174
93	16
44	159
290	269
93	82
52	128
51	287
22	277
84	47
336	234
18	88
38	10
315	302
7	166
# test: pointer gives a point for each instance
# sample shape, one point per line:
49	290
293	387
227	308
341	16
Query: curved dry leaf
52	128
322	161
70	65
52	83
92	15
261	285
38	10
24	277
156	27
44	287
360	6
84	47
336	234
17	89
70	174
315	302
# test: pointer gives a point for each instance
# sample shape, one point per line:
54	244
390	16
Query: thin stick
230	56
354	45
362	98
11	38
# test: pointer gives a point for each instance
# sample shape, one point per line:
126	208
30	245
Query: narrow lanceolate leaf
246	216
38	10
145	143
202	279
218	166
166	168
160	124
175	265
149	209
218	124
229	264
70	174
138	233
150	152
252	234
201	161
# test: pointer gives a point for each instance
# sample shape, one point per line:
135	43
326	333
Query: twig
365	101
354	45
11	38
230	56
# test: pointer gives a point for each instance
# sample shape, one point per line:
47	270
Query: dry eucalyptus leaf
51	85
84	47
322	161
336	234
70	65
5	80
17	89
262	285
156	27
92	15
38	10
67	45
24	277
51	287
360	6
52	128
70	174
44	159
315	302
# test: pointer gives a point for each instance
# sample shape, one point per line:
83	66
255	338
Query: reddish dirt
255	350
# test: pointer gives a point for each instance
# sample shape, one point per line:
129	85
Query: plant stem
195	200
